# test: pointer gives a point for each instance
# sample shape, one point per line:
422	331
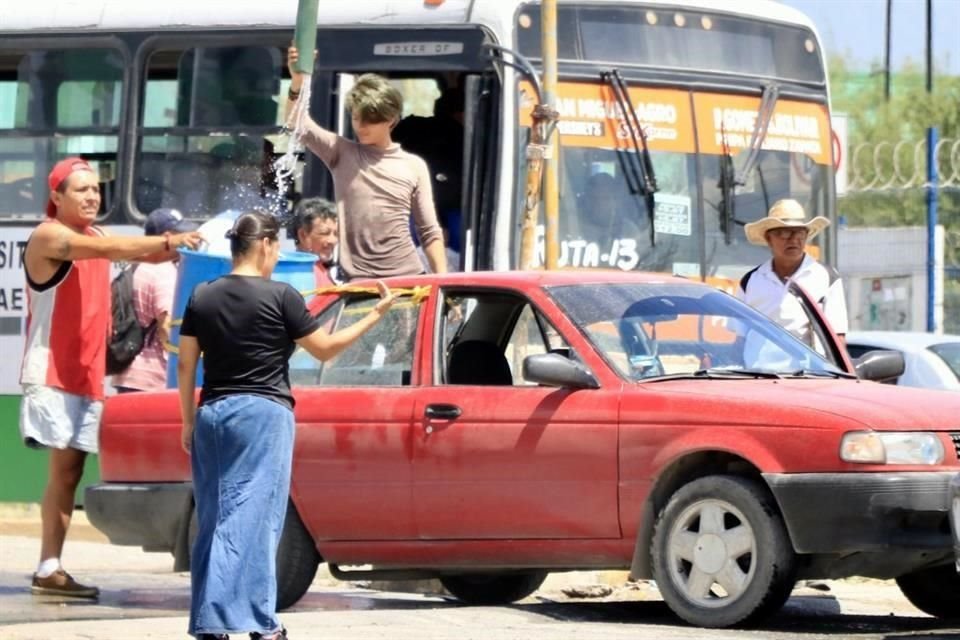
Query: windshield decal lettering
796	127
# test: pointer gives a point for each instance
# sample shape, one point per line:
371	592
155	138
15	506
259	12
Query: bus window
210	130
55	104
605	223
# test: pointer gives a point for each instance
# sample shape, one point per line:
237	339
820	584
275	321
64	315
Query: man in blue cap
153	288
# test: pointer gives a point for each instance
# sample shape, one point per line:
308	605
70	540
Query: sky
857	27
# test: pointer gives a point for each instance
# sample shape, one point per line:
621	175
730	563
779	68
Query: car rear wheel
935	591
493	588
721	554
297	560
297	557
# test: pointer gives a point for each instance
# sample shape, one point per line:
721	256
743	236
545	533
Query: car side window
383	356
484	338
531	335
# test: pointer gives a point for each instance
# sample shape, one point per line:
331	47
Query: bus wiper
727	186
730	178
643	167
768	102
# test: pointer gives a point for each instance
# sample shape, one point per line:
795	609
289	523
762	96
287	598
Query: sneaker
61	583
213	636
279	635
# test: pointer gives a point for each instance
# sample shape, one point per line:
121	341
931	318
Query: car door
496	457
352	470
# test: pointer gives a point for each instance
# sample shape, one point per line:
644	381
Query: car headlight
891	448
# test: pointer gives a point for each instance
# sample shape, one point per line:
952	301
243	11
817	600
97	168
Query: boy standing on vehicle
67	267
786	231
378	185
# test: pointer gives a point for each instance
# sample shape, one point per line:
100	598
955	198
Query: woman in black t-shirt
240	438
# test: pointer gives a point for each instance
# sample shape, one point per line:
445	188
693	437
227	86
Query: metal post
305	36
886	52
931	187
929	46
548	21
931	229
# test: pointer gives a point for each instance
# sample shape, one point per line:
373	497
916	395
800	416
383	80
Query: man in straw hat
787	231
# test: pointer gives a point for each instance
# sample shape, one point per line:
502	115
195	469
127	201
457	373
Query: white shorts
53	418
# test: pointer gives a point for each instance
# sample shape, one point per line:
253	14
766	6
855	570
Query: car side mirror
554	370
879	366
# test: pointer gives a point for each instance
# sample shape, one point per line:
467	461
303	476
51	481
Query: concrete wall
885	277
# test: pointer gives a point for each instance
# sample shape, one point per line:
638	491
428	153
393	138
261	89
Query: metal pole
929	46
931	187
305	35
886	52
931	229
548	21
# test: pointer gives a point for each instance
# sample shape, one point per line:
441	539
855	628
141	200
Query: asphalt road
142	598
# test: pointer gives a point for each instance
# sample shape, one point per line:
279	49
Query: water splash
285	167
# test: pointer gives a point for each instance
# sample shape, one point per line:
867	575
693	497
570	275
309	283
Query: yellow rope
417	295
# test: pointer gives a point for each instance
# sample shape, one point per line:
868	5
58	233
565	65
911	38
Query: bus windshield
606	222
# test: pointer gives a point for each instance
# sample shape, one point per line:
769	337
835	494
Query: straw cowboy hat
784	213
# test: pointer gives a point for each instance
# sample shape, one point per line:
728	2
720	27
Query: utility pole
931	187
551	201
540	152
886	52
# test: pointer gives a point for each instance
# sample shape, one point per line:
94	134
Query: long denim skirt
241	457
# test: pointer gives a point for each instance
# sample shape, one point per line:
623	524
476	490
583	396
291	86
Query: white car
932	361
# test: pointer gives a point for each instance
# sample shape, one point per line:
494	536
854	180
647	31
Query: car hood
807	402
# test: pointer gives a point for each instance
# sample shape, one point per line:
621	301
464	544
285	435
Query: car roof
901	340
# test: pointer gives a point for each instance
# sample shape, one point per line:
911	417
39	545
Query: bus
680	121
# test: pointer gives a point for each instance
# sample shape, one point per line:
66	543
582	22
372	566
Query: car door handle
443	411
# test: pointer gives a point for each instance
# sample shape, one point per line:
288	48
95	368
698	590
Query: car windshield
657	330
949	352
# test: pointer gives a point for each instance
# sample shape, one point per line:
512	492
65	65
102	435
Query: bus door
450	96
481	142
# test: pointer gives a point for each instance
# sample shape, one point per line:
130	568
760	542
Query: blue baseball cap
161	221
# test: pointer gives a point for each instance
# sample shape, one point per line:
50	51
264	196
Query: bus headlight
873	447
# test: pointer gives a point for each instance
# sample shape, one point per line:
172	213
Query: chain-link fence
883	237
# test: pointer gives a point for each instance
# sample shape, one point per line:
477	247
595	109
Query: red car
500	426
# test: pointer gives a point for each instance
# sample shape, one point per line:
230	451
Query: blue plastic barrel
293	267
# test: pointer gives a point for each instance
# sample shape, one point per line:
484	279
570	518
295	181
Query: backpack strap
745	280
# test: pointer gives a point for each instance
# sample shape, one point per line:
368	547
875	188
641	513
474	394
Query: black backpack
127	337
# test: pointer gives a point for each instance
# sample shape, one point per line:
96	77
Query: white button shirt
767	293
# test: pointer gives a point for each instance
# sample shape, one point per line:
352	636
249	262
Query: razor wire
894	165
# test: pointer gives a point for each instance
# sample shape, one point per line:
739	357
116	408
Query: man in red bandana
67	266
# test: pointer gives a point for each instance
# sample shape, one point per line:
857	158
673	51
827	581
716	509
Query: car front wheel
493	588
721	553
935	591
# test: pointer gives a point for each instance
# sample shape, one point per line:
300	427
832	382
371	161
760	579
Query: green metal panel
23	474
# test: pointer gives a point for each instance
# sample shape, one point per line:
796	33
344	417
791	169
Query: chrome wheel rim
712	553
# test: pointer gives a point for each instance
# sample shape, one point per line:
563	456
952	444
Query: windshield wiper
646	179
730	177
717	373
727	185
768	102
820	373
